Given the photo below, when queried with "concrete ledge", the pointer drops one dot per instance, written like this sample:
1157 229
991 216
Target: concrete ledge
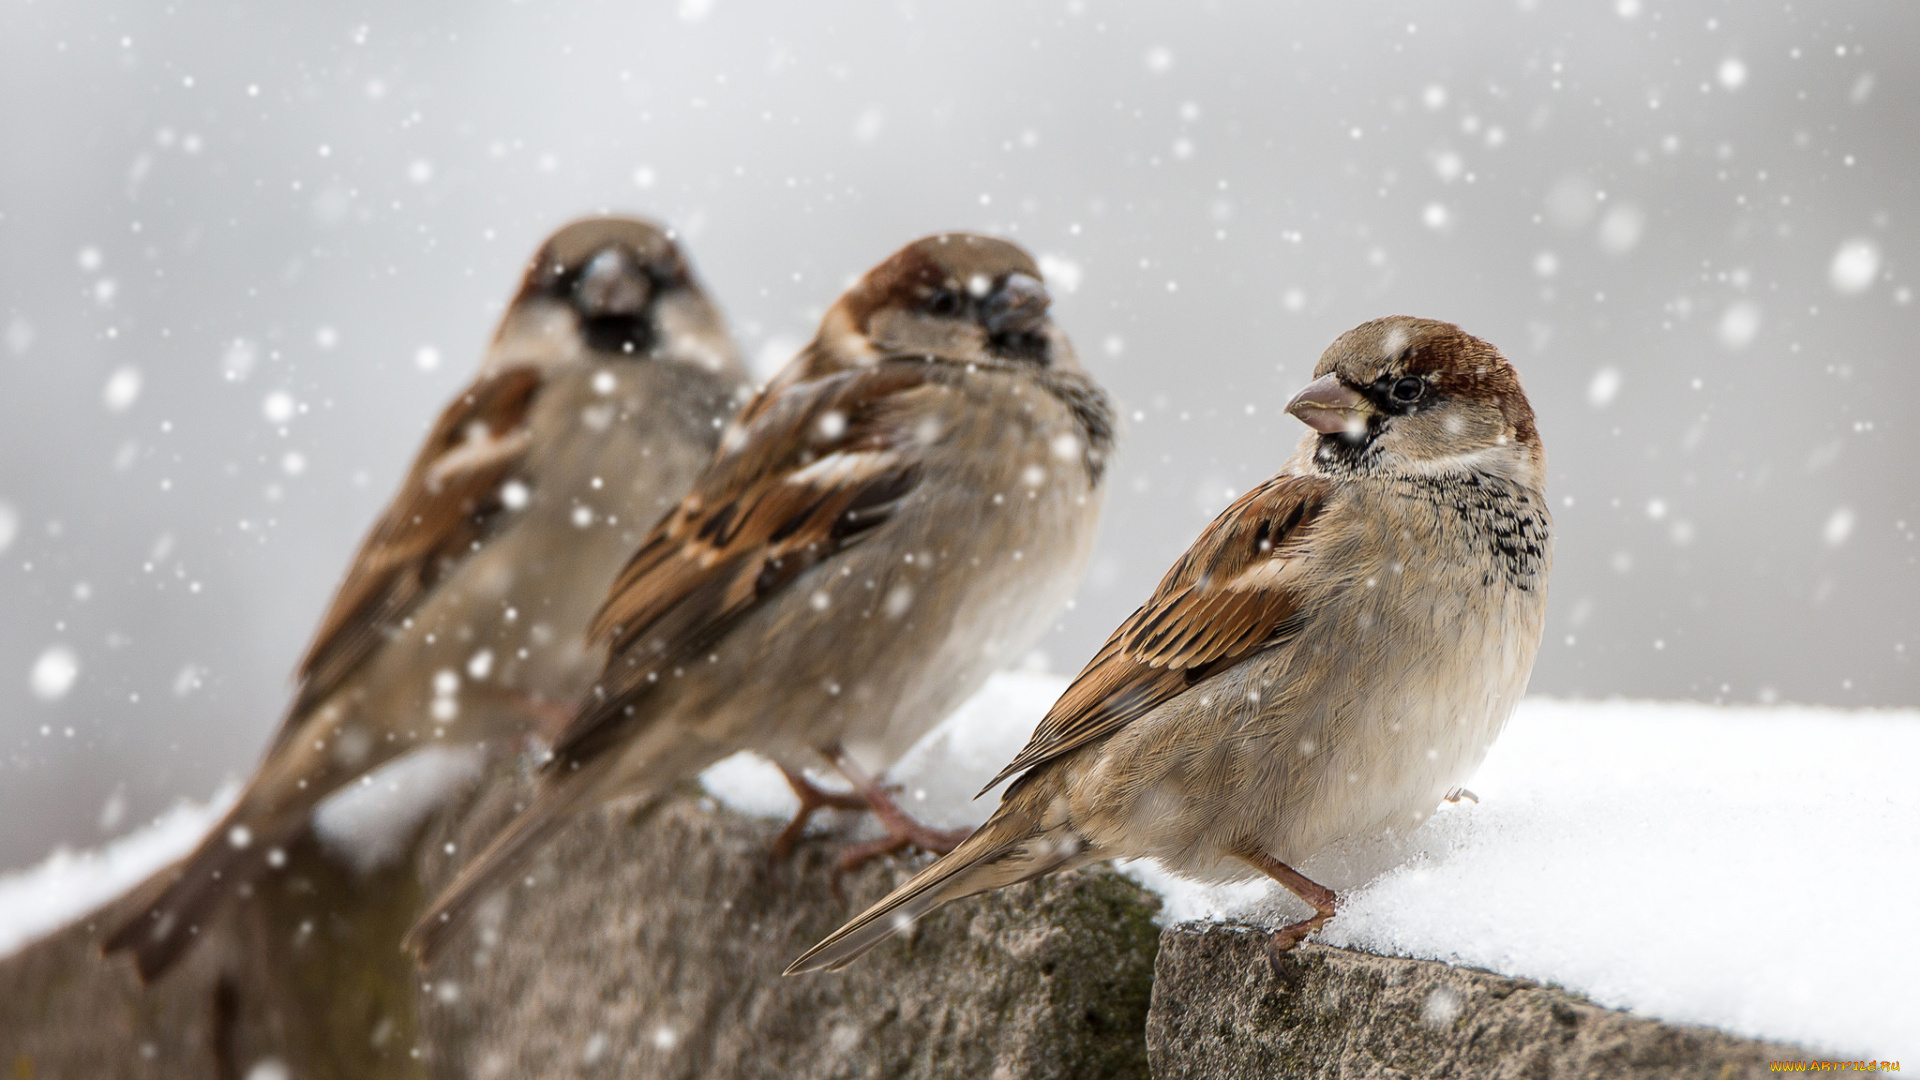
650 944
1223 1007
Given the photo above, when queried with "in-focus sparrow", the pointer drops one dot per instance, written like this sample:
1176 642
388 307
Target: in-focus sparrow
1331 658
901 511
463 616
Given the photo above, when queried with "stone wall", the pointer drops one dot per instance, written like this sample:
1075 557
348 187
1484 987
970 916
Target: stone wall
650 944
1224 1006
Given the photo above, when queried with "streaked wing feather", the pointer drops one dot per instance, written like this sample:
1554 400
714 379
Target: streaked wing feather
808 476
447 506
1227 598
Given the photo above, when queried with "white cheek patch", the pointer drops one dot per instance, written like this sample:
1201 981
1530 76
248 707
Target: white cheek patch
1502 460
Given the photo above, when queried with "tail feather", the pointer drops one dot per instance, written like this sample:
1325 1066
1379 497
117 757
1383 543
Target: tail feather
1010 848
187 895
273 810
646 766
489 870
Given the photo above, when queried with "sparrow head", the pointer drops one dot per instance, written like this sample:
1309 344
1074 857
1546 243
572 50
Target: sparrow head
1414 395
960 296
619 287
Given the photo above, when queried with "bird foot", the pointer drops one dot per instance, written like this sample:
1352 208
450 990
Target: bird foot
1459 793
1289 937
902 830
1322 899
812 798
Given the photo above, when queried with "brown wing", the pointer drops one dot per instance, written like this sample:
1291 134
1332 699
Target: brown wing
1228 597
448 505
811 473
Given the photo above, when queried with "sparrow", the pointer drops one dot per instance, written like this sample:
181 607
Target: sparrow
904 508
463 615
1332 657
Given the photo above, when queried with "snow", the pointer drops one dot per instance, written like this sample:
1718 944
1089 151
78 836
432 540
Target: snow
122 389
366 825
278 406
68 884
1739 325
1854 266
54 672
1744 868
1604 387
1752 870
369 824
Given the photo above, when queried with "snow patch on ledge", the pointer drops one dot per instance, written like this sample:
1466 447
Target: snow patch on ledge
68 884
1748 869
366 826
369 824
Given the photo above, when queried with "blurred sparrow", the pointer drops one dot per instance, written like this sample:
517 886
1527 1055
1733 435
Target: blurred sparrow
1331 658
463 616
900 512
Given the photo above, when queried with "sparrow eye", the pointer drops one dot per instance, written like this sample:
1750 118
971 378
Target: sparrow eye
944 303
1409 389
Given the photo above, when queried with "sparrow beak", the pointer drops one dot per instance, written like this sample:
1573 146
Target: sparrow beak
1018 306
1328 406
612 285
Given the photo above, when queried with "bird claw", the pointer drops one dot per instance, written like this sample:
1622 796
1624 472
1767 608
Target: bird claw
867 794
1288 938
813 798
1323 900
1459 793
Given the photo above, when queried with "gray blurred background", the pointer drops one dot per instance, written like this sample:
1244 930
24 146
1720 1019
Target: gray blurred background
247 251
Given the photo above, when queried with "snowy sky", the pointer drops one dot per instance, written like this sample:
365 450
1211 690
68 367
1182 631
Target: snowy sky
245 254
